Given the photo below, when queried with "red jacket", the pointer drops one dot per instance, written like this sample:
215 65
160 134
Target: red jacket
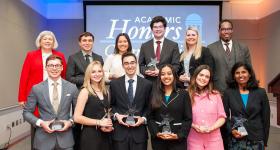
32 73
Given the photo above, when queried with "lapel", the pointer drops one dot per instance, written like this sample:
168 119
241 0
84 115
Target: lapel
250 99
151 50
64 90
234 50
240 102
172 98
164 50
82 60
46 95
138 89
123 89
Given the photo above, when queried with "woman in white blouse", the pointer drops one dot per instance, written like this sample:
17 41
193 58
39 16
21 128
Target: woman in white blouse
113 64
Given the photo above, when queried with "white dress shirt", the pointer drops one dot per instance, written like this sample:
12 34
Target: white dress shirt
134 83
155 44
229 45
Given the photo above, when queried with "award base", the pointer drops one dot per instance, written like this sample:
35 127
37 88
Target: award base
57 125
242 131
166 130
130 120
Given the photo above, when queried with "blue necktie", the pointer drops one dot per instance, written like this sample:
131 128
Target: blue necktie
130 90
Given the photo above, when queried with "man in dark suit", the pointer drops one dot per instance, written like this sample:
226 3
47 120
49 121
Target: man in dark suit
163 50
54 98
226 52
76 67
130 91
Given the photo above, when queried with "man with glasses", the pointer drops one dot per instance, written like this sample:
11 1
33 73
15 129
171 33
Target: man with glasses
130 97
54 97
160 49
226 52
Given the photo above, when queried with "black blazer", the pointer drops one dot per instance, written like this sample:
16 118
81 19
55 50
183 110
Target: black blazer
76 67
257 112
119 103
205 59
179 108
169 55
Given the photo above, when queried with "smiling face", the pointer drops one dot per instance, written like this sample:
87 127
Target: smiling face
96 73
86 43
129 65
191 38
122 44
47 42
158 30
241 76
203 78
54 68
166 76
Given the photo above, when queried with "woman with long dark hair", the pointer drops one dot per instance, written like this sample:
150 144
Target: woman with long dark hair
249 108
170 119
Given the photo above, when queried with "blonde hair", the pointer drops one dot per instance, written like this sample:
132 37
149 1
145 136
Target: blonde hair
87 79
198 48
44 33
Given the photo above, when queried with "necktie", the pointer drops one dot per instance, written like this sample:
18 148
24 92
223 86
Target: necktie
158 50
55 101
227 49
87 58
130 90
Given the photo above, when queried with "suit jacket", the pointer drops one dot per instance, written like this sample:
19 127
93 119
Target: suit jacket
39 96
120 102
76 67
239 53
179 108
169 55
205 59
32 72
257 112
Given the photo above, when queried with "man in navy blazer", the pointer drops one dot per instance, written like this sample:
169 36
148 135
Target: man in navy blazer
130 91
167 53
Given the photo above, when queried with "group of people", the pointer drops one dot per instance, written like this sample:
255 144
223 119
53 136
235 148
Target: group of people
204 98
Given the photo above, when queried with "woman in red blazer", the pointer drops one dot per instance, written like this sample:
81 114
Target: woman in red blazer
33 69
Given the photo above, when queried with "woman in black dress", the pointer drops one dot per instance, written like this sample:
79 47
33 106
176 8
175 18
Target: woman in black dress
91 108
171 109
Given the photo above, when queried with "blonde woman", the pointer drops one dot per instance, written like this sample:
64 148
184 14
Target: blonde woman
193 56
90 111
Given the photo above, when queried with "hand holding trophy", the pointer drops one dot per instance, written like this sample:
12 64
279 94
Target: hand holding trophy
107 118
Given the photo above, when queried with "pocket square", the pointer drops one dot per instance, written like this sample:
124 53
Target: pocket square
68 94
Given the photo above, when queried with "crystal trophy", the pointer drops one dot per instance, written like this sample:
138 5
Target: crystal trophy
56 125
152 64
130 120
108 114
239 124
165 123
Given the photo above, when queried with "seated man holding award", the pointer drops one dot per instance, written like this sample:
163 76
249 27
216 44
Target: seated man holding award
170 119
54 97
130 100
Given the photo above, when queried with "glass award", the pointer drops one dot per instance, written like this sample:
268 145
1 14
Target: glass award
130 120
165 123
238 123
56 125
153 64
108 114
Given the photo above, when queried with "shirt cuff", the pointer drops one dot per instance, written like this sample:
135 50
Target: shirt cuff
38 122
145 120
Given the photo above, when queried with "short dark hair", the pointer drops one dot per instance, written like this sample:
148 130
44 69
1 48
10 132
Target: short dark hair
53 57
225 20
157 19
129 49
85 34
127 54
252 83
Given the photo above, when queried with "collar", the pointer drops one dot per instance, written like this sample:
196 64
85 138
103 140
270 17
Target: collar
126 78
84 53
161 40
229 42
50 81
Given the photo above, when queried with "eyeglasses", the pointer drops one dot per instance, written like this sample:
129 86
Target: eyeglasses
158 27
54 66
226 29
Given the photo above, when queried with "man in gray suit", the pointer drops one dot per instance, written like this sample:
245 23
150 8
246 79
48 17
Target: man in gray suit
226 52
54 98
161 49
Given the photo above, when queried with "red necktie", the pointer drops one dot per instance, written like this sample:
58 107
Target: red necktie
158 50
